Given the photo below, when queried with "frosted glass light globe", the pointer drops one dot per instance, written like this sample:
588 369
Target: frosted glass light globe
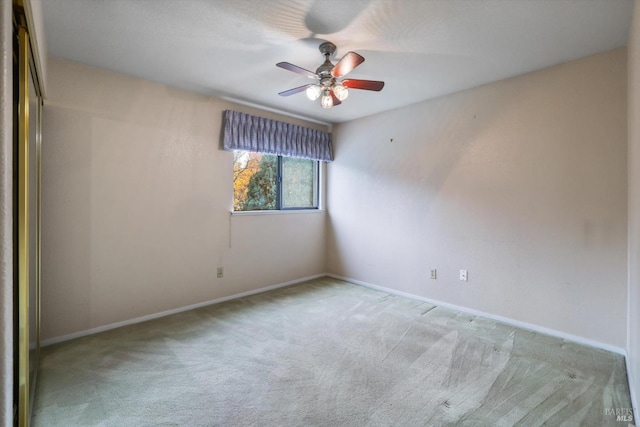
341 92
313 92
327 101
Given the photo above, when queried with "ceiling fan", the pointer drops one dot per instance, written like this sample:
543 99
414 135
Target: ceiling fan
332 90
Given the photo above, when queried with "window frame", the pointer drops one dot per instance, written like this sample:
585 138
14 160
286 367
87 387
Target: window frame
279 188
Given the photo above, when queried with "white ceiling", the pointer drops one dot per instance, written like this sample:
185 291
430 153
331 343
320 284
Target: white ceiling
420 48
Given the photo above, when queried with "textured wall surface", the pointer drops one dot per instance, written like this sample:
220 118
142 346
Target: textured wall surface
6 216
633 340
136 202
521 182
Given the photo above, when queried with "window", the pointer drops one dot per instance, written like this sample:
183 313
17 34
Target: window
276 164
270 182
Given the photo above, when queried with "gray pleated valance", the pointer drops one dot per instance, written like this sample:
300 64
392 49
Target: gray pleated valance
246 132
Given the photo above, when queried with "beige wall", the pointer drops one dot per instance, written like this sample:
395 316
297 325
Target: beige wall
136 202
633 337
521 182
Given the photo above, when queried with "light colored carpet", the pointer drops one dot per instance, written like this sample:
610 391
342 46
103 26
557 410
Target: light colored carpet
327 353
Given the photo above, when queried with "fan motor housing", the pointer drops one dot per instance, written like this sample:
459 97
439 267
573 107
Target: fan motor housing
324 70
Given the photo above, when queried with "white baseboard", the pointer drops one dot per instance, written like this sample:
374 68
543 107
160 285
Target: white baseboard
110 326
508 321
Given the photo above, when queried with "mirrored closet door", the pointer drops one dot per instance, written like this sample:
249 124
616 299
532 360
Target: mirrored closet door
27 153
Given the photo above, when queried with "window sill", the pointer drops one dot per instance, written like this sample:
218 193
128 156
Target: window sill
279 212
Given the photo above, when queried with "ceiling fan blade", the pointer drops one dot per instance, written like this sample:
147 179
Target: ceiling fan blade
348 62
336 101
363 84
296 69
294 90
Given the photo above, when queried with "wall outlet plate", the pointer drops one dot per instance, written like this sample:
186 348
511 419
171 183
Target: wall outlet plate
220 272
463 275
434 274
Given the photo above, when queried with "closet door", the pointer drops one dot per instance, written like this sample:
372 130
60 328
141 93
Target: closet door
28 213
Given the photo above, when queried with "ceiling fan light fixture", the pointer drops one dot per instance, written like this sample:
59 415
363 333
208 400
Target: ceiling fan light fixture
313 92
329 87
326 101
341 92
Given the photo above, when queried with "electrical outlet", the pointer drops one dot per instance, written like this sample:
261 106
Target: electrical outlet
463 275
434 274
220 272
